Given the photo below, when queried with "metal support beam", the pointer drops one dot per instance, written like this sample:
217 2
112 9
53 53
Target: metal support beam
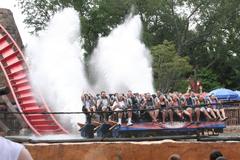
4 127
12 108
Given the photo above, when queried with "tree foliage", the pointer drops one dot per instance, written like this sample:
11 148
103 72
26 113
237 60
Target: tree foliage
208 79
206 31
170 69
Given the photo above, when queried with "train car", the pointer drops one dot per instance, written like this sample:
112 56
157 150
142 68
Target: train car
178 128
147 129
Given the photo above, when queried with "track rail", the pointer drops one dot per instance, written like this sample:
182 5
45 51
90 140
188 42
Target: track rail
15 69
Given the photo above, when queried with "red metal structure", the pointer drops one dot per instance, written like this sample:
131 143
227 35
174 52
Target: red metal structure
15 69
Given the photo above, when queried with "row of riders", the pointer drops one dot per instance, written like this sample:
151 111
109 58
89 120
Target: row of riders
134 106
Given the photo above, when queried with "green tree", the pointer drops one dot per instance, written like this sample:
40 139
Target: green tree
209 79
98 17
102 19
205 31
169 68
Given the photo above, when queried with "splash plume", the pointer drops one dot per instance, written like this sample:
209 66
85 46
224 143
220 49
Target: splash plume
121 61
56 67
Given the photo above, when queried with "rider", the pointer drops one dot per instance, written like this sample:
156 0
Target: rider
163 102
150 106
103 105
196 107
189 103
217 107
88 103
119 105
132 103
204 109
88 107
176 106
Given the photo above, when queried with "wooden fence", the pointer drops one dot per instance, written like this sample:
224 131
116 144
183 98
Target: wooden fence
234 116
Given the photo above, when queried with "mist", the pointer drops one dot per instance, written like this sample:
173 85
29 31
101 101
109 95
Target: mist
56 66
121 62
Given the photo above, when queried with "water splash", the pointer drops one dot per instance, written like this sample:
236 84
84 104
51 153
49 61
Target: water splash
121 61
175 125
56 67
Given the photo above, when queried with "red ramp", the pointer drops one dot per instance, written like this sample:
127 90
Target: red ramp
15 70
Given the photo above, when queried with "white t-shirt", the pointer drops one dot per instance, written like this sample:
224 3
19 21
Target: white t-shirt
9 150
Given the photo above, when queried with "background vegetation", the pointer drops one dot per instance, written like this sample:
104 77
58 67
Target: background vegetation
198 38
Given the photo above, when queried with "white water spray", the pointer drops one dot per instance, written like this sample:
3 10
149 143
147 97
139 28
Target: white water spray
121 61
56 67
